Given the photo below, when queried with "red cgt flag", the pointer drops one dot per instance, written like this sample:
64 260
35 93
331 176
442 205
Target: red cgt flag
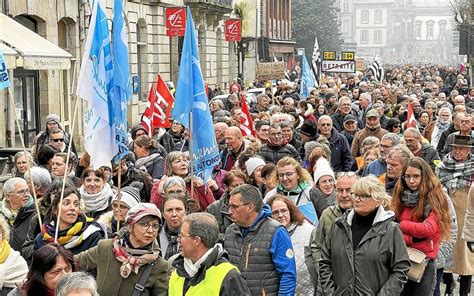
411 121
158 110
246 122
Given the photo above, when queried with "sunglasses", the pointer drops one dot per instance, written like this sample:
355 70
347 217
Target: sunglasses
58 140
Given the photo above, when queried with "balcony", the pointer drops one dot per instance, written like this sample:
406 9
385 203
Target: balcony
216 6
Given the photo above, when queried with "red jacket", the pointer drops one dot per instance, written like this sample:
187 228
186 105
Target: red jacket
424 236
201 193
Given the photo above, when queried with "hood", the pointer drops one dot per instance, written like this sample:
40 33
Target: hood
265 212
381 216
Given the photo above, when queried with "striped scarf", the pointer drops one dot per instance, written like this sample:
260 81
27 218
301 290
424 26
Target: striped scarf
456 175
73 236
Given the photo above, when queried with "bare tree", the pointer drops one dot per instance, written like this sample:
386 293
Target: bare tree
462 10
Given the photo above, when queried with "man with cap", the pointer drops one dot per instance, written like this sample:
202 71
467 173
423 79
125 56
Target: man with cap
455 174
130 261
344 108
350 128
372 128
341 159
43 137
202 267
465 129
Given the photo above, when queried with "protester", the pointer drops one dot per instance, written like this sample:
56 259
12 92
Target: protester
341 158
202 267
378 167
276 147
268 264
351 255
288 214
372 128
397 158
95 192
174 139
41 180
131 260
22 163
465 129
322 194
174 212
235 145
148 156
59 169
413 140
52 122
130 174
350 128
77 283
421 208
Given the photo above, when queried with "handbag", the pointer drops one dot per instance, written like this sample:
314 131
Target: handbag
418 263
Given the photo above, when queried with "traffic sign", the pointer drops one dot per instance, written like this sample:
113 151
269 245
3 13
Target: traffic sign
329 55
338 66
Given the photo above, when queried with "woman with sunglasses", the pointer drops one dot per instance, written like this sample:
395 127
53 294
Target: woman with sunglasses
364 252
421 208
288 214
394 126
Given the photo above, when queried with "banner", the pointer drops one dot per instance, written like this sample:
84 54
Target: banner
4 78
233 30
158 110
246 122
175 21
411 121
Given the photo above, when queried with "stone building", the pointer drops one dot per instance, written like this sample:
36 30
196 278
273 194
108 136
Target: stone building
60 26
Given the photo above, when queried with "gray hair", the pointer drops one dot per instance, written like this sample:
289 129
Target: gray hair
174 180
19 154
57 131
325 117
249 194
76 281
444 109
40 176
392 137
205 226
414 131
219 103
289 99
371 140
367 96
402 152
10 184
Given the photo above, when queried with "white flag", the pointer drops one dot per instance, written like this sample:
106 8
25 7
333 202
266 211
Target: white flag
94 85
377 70
316 61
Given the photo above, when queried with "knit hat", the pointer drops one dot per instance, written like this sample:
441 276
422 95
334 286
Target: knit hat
53 117
323 170
309 128
141 210
130 195
252 164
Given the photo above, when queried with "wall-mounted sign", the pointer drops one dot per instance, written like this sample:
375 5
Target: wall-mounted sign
175 21
329 55
233 30
348 56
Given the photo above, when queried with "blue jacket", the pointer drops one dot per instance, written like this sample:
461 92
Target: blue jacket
282 254
376 167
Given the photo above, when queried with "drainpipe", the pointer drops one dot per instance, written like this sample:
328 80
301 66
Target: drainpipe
6 7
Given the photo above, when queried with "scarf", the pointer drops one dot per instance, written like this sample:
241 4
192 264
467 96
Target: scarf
410 199
9 214
456 175
440 127
146 161
96 202
373 128
72 236
172 237
5 251
13 270
193 268
132 259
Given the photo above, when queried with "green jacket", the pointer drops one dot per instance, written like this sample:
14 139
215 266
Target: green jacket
109 281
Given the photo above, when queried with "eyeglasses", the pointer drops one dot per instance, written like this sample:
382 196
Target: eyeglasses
146 226
233 207
325 124
283 175
275 134
22 192
358 197
280 212
410 177
121 206
396 126
349 174
58 140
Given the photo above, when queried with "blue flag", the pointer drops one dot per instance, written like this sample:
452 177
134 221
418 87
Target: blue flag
94 85
191 97
4 78
121 89
307 77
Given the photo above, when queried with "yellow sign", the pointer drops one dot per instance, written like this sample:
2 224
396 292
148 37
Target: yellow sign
329 55
348 56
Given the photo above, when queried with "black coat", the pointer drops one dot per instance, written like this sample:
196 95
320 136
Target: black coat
341 157
19 230
442 139
338 121
273 154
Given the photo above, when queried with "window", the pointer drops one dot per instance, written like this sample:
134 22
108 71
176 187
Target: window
345 27
429 30
142 59
442 29
378 36
345 6
418 30
378 16
364 36
364 17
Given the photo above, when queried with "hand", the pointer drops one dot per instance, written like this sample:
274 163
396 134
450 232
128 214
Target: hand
212 184
197 182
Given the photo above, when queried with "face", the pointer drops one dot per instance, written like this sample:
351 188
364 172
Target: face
275 136
326 184
139 133
430 108
401 109
372 121
179 167
60 269
175 189
219 132
444 116
238 115
139 151
394 167
287 133
232 140
458 101
58 166
385 147
120 210
174 213
93 184
187 242
364 204
424 118
19 197
281 213
343 191
234 184
262 133
412 178
412 141
52 125
325 126
144 231
257 174
288 177
264 102
239 212
176 127
56 140
21 164
466 123
345 107
369 158
69 211
321 109
350 126
461 153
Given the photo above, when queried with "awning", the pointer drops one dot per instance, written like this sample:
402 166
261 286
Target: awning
34 51
9 55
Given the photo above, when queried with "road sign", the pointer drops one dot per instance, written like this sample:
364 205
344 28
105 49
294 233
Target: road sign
348 56
338 66
329 55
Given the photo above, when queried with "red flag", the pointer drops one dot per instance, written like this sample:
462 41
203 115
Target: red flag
411 121
158 110
246 122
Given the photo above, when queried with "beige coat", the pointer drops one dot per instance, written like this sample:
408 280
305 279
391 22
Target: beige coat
468 231
361 135
463 258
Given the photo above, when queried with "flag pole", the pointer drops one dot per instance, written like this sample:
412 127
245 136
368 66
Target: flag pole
24 152
119 185
65 171
191 153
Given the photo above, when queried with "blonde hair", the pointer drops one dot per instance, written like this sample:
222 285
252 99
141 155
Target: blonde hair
303 174
372 186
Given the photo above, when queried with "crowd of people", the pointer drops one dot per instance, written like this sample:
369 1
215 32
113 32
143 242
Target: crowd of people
329 195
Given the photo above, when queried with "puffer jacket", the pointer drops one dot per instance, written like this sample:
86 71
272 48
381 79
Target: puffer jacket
272 154
219 209
341 158
378 266
446 248
300 238
19 230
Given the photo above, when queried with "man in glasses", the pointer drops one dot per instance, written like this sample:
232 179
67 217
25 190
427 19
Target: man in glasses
277 147
258 245
212 273
378 167
341 159
56 140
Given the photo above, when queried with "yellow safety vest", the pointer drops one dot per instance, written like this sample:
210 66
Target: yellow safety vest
210 286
